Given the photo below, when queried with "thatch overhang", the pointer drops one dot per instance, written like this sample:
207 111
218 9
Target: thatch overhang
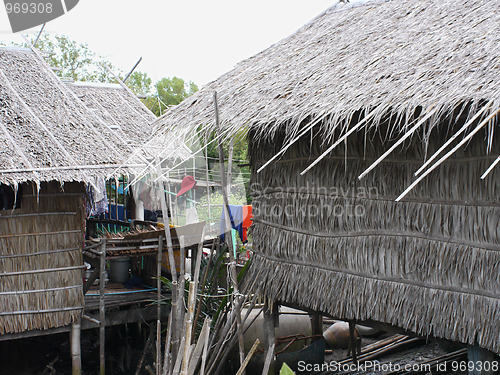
46 131
389 56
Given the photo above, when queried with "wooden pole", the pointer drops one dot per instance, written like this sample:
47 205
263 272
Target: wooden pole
208 188
76 352
102 308
230 167
173 310
232 263
205 349
248 357
168 338
180 290
352 342
158 311
270 338
189 324
317 325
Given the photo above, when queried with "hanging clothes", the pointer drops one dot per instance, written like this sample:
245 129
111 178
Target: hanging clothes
241 220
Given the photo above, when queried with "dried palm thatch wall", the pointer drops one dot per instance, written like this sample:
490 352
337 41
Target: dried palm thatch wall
343 246
41 266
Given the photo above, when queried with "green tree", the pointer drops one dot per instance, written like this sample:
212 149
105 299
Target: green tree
75 60
168 92
139 83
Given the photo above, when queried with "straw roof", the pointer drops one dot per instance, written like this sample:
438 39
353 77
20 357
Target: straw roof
46 132
392 56
117 106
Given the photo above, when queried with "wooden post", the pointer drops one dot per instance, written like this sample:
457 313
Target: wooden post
316 325
173 310
76 352
232 262
269 322
158 297
102 308
352 342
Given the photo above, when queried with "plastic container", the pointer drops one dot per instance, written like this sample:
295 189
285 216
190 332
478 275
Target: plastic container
118 269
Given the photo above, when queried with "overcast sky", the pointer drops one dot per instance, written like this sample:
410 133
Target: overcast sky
197 40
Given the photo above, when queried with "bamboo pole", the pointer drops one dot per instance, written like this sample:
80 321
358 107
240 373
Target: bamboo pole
230 167
248 357
490 168
189 324
232 263
102 308
204 279
205 349
448 142
283 150
158 301
168 340
270 338
180 290
208 188
432 110
339 141
170 250
447 155
76 352
200 346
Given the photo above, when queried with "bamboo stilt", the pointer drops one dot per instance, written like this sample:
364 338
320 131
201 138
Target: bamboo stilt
76 352
158 297
232 263
102 308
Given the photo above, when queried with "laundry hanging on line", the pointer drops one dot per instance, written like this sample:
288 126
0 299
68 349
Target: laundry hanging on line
241 219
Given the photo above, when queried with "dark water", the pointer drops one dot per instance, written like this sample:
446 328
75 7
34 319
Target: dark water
124 347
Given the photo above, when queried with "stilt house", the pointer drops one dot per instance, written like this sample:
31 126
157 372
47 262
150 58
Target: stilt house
365 95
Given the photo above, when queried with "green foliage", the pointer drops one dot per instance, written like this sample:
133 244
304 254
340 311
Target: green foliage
240 147
75 60
139 83
216 201
169 91
285 370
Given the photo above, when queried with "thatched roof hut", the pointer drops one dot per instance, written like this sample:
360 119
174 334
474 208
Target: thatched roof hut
47 133
403 76
50 144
